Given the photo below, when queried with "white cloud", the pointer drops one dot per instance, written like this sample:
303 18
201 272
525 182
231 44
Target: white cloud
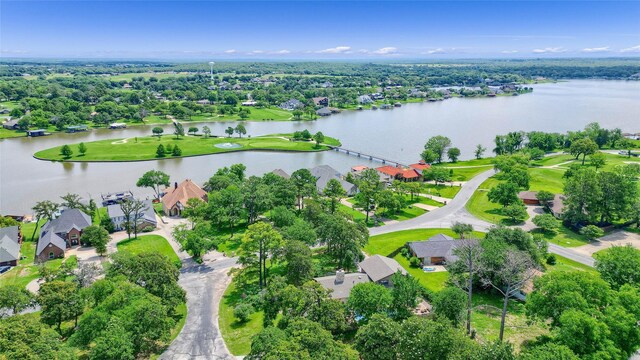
596 49
335 50
231 51
257 52
549 50
437 51
386 51
633 49
509 51
282 52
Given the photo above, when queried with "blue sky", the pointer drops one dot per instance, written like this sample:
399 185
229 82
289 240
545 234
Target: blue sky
319 30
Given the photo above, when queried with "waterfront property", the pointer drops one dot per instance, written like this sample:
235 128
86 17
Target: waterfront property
116 197
389 173
146 217
324 173
10 239
380 269
11 124
175 198
283 174
61 233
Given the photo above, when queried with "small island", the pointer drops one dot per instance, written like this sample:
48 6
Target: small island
171 146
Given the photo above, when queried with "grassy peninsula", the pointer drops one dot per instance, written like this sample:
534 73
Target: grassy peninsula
146 148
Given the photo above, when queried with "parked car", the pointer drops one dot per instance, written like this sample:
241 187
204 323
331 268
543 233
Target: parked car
4 269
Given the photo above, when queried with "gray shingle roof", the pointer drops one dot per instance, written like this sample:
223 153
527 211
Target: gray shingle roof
69 219
341 290
378 267
50 238
281 173
324 173
437 246
9 243
148 213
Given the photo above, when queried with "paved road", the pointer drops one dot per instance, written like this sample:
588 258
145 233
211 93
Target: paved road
205 283
445 216
455 211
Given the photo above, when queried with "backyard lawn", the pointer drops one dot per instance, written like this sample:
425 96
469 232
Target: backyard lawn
546 179
564 237
149 243
446 191
480 206
237 336
144 148
27 270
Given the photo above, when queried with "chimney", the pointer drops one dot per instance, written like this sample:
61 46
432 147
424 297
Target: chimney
339 276
175 185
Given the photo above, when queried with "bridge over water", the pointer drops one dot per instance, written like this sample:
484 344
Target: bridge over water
371 157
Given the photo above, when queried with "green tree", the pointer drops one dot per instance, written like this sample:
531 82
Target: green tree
584 147
60 301
598 160
319 138
193 130
546 222
299 262
178 129
25 337
548 351
584 334
592 232
582 194
405 295
114 343
206 131
515 212
479 151
505 194
301 230
305 184
95 235
240 130
160 151
176 151
469 253
368 299
72 201
453 154
157 131
15 298
545 198
82 149
229 131
66 151
344 239
377 340
297 114
437 145
461 229
153 179
242 312
261 244
450 303
439 175
43 210
335 192
369 186
619 265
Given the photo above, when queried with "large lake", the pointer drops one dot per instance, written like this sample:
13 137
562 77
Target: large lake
397 134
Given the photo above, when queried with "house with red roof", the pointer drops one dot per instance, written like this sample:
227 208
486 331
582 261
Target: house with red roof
389 173
420 166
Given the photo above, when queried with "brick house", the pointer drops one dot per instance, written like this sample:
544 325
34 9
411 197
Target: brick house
175 198
10 239
61 233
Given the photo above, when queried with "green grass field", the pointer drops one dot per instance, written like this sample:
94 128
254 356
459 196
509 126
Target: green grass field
27 270
466 174
387 244
149 243
480 206
237 336
144 148
546 179
441 190
564 237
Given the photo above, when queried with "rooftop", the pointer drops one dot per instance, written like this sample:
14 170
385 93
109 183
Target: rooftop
341 284
378 267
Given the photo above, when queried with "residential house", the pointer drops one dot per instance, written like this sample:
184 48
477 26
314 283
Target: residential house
529 197
557 206
117 125
389 173
321 101
126 86
282 173
341 283
10 239
364 99
377 268
410 175
324 173
37 132
435 251
146 218
175 198
11 124
249 103
323 111
420 167
67 227
292 104
203 102
380 269
358 169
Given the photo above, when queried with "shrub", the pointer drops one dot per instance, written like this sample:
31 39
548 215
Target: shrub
551 259
591 232
405 252
242 312
414 262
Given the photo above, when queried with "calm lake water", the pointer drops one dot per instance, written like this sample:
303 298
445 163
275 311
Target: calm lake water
397 134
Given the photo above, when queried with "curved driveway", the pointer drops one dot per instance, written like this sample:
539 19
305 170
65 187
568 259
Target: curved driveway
455 211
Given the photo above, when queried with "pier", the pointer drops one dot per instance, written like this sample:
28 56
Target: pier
360 154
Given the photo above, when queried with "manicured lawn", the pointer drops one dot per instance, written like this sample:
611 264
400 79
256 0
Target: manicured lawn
480 206
474 162
553 160
433 281
255 114
6 133
466 174
546 179
357 215
426 201
149 243
564 264
441 190
564 237
26 271
237 336
405 214
144 148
